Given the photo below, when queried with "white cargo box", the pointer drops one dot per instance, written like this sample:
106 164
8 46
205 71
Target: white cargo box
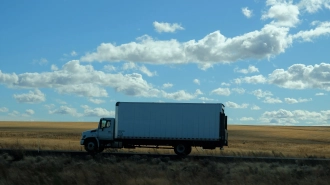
187 121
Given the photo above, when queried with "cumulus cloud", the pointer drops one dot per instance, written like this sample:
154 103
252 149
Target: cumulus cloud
54 67
225 84
213 48
297 76
96 101
35 96
109 68
312 6
221 91
196 81
271 100
261 94
4 109
236 106
238 90
250 69
300 76
29 111
97 112
255 107
284 13
251 79
292 100
181 95
323 28
246 119
246 12
167 85
142 68
167 27
65 110
283 116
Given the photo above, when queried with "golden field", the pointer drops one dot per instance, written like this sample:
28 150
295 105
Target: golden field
280 141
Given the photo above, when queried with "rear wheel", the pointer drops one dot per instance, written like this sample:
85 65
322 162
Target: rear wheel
182 149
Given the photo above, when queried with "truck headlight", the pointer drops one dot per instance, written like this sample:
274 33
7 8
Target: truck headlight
84 136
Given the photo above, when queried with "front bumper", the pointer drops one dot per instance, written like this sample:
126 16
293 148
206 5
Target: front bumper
82 142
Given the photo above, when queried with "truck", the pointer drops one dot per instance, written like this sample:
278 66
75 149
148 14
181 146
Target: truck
178 126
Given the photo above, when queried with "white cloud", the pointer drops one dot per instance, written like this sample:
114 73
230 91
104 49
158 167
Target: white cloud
323 28
272 100
4 109
246 119
167 27
129 65
238 90
96 101
109 68
284 14
65 110
196 81
97 112
255 107
146 71
251 79
313 6
320 94
8 78
292 100
206 99
283 116
300 76
35 96
73 53
261 94
250 69
86 90
181 95
236 106
167 85
143 69
225 84
246 12
221 91
29 111
41 61
14 113
213 48
54 67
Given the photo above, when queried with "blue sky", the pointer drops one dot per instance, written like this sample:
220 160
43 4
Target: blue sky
267 61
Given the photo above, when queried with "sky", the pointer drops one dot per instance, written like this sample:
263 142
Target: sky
68 60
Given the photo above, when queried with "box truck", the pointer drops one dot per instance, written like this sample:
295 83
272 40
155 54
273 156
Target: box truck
179 126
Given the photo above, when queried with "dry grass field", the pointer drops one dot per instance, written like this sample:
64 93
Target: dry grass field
141 170
280 141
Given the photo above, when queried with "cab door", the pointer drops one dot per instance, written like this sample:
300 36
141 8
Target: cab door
105 131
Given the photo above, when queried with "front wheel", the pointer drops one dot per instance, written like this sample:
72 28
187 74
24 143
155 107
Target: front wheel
91 146
182 149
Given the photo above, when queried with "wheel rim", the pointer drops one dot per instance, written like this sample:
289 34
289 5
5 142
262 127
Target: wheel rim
181 149
91 146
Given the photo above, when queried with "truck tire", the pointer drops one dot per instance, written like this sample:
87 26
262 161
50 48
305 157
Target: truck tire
91 146
182 149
